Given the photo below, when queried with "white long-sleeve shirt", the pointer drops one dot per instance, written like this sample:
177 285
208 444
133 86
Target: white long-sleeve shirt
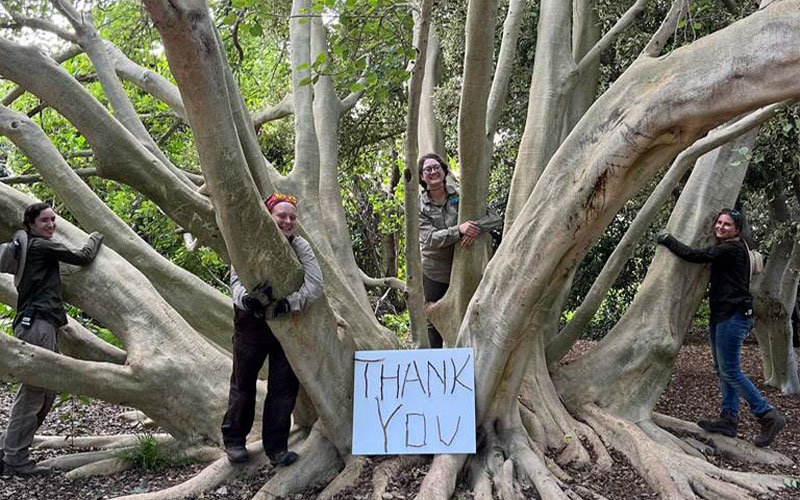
309 291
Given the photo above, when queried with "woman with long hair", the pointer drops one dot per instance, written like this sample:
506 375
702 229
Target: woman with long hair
729 323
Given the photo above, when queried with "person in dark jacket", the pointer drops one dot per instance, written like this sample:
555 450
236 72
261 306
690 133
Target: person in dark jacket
253 342
730 320
40 312
439 231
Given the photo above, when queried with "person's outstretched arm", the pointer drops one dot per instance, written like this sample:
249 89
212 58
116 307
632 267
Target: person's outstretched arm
687 253
81 257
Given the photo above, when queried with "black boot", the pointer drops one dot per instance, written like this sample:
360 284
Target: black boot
237 453
771 424
726 424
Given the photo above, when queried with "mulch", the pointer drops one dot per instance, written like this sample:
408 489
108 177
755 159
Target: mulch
691 394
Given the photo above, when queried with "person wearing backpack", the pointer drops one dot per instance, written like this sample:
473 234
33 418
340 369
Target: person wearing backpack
729 323
40 312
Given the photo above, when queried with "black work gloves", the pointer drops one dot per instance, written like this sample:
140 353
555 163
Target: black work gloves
277 308
253 304
282 307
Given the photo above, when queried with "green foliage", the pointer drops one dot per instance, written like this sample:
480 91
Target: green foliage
70 422
150 455
7 315
399 324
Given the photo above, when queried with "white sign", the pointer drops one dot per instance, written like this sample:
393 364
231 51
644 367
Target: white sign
414 402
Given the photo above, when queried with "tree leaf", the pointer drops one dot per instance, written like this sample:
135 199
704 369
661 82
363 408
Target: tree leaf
255 29
357 87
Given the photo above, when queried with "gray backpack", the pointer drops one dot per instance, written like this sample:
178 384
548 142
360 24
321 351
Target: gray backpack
13 255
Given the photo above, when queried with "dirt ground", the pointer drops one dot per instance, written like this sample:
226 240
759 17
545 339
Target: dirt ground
692 394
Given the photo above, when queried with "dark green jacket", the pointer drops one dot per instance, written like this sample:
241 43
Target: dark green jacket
40 286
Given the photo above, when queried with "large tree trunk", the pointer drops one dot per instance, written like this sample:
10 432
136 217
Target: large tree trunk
655 109
774 296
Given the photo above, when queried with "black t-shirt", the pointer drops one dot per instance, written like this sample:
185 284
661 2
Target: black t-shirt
730 275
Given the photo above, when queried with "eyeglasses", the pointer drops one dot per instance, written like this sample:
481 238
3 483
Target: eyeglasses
431 169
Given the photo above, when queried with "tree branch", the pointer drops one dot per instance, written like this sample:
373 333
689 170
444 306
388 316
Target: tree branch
40 367
386 282
147 80
351 100
622 23
42 25
73 339
280 110
83 173
59 58
171 281
119 155
667 28
505 61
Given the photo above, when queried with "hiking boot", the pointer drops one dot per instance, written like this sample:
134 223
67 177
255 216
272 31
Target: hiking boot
771 424
27 469
237 453
726 424
283 458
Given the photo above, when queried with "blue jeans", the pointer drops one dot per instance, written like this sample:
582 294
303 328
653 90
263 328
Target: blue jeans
726 340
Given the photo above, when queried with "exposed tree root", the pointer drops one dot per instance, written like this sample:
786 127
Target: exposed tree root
391 468
215 474
76 460
319 462
440 481
659 435
111 441
139 418
736 448
346 478
105 467
674 474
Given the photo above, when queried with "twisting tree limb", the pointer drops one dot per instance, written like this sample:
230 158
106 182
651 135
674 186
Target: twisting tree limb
119 155
660 38
624 249
387 282
213 320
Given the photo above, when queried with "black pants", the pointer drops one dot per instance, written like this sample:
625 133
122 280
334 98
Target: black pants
433 291
253 342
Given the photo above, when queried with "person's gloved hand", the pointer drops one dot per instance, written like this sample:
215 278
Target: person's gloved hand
662 237
282 307
263 293
254 305
278 308
97 235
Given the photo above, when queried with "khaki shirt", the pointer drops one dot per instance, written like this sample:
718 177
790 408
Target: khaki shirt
438 233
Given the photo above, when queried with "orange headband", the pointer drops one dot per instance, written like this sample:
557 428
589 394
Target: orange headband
276 198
